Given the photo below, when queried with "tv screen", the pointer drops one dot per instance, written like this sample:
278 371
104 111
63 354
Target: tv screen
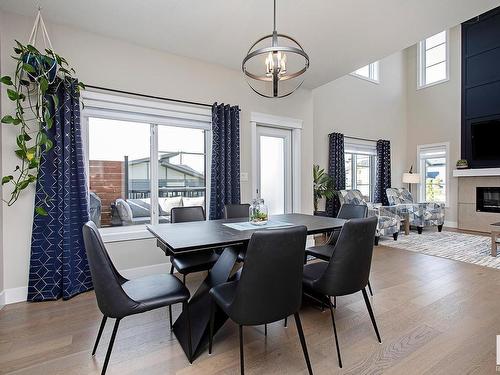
486 140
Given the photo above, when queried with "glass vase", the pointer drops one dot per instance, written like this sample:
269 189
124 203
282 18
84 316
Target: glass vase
258 212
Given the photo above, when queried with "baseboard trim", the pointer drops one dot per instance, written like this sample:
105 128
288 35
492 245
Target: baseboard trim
451 224
15 295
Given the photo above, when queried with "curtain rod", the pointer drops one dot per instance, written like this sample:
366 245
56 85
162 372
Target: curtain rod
149 96
361 139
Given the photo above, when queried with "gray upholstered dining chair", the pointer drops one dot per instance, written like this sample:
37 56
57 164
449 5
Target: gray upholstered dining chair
118 297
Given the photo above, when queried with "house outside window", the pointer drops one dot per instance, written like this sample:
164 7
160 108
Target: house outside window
368 72
360 161
123 135
433 61
433 168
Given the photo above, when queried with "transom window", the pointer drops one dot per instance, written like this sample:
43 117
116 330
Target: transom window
369 72
433 60
433 166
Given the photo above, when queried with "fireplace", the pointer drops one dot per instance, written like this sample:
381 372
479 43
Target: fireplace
488 199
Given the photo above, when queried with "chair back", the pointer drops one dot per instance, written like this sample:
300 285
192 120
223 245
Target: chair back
186 214
349 267
235 211
270 287
397 196
111 299
352 196
352 211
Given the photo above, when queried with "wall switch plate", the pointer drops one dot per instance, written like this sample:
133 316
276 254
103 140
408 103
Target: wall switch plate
243 176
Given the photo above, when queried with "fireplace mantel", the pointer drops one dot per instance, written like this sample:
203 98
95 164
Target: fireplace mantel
479 172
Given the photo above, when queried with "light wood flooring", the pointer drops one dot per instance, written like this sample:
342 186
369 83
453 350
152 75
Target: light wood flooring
435 316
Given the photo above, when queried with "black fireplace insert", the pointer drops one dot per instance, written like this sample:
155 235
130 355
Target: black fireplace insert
488 199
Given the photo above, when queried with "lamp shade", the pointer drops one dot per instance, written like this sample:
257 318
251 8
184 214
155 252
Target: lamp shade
411 178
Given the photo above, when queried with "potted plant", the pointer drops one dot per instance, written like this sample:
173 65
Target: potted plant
32 89
462 164
322 188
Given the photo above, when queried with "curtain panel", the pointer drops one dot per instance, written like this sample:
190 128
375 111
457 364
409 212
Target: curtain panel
336 170
383 171
225 180
58 264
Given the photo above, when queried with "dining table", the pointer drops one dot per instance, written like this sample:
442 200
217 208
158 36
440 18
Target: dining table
228 236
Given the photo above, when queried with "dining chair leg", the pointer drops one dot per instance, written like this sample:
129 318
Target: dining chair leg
303 341
170 316
185 308
336 338
370 311
370 288
171 269
265 329
242 361
212 321
110 346
184 279
101 328
286 322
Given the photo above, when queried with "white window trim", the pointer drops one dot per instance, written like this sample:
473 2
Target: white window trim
152 112
295 125
421 194
421 66
371 68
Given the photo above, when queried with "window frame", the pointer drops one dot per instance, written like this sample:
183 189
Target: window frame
437 147
372 167
421 58
373 71
154 113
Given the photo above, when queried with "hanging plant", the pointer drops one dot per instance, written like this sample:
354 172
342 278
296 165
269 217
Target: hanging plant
33 89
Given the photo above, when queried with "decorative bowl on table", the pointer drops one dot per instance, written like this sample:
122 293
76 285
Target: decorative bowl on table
258 212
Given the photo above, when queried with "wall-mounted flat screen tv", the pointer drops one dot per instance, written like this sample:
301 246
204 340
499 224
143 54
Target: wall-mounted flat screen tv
486 140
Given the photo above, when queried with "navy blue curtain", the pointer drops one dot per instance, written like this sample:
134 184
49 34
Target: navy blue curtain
225 186
336 170
383 171
58 266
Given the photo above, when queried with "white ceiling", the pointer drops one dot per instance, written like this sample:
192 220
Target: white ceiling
339 35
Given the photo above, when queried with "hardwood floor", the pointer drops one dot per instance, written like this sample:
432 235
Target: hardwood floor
435 316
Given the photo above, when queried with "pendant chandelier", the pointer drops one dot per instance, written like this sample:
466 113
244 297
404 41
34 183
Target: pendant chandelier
275 64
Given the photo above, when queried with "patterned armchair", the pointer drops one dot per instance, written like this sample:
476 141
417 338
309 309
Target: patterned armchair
421 214
388 219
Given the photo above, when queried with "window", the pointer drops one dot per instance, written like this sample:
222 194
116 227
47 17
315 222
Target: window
126 189
360 168
433 60
369 72
433 167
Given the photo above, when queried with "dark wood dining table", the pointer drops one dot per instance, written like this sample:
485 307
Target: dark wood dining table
182 238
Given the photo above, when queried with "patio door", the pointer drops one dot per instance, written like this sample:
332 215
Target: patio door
274 168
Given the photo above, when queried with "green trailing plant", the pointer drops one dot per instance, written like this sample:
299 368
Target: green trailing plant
322 185
33 90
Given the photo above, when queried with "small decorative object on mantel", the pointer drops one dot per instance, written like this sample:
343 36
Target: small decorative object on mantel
322 188
258 212
462 164
33 90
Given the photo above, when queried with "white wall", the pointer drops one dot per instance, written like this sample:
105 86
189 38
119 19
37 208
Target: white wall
359 108
2 300
434 114
115 64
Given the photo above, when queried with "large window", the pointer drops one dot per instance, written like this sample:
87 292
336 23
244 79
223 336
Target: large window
360 168
126 188
369 72
433 60
433 165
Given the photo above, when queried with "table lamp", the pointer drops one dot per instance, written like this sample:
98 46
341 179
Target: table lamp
411 178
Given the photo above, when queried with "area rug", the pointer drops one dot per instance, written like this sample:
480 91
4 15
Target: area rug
463 247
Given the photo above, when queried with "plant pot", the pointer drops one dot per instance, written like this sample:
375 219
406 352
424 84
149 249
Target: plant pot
43 65
320 213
